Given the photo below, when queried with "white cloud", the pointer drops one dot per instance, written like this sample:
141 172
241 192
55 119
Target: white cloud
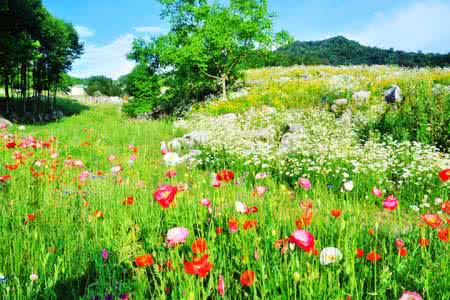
148 29
423 25
109 60
84 32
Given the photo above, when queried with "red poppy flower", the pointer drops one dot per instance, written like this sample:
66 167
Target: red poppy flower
11 144
12 167
198 266
5 178
225 175
250 224
233 225
424 242
144 260
199 246
165 194
444 175
445 206
251 210
359 253
444 234
31 217
373 256
247 278
219 230
336 213
402 251
128 201
432 220
171 173
371 231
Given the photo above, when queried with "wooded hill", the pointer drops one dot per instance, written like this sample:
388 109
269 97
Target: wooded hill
342 51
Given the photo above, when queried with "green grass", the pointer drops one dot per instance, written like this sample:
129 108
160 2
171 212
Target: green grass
63 244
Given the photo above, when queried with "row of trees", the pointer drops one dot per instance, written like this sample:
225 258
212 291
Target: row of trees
204 52
36 49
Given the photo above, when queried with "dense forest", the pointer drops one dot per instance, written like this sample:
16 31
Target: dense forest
36 50
342 51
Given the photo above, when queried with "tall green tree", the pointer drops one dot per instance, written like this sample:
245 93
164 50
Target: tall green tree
208 44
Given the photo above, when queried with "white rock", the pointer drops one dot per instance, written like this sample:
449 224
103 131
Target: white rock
341 102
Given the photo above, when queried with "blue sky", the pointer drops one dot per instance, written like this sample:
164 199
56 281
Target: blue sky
108 27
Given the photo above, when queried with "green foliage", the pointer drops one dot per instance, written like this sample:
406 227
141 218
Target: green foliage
36 49
423 115
144 88
102 85
341 51
207 46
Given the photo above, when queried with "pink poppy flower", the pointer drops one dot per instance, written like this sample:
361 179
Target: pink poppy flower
303 239
221 286
112 158
165 195
304 183
214 181
133 157
377 192
176 236
399 243
410 296
390 203
260 191
205 202
84 176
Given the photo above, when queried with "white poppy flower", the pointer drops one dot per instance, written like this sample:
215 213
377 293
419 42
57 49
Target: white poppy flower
330 255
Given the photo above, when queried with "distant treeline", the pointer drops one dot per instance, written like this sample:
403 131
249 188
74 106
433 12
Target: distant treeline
36 50
100 85
342 51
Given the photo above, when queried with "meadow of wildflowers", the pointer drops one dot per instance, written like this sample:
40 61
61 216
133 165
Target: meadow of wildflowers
276 203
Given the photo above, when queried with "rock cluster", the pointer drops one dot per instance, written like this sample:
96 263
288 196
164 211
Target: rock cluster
30 117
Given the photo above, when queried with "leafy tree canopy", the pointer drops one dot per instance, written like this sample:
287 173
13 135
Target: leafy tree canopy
208 45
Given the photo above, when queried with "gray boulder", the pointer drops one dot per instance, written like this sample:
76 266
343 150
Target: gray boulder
196 137
283 79
189 140
5 121
296 128
393 94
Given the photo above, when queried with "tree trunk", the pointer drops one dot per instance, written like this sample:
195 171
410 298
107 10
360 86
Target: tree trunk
224 87
7 87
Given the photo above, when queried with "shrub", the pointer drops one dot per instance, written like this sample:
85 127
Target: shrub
423 115
144 88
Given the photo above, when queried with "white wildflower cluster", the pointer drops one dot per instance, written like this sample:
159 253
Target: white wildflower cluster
325 145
